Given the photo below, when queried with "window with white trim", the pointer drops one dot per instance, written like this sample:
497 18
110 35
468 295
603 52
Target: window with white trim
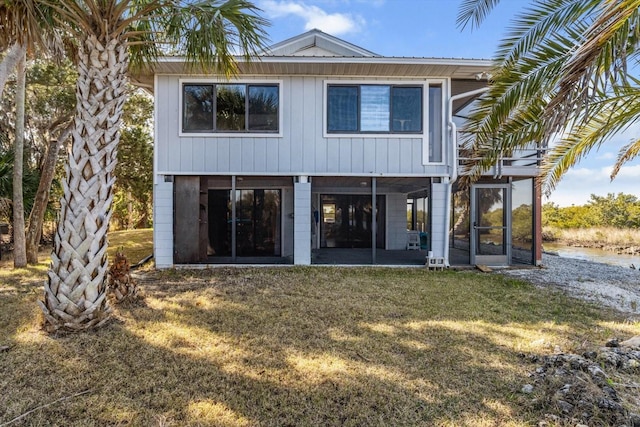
230 107
372 108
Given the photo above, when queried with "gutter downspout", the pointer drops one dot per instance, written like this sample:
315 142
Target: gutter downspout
454 156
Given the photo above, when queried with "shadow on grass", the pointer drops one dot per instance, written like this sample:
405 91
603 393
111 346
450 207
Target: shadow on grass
234 347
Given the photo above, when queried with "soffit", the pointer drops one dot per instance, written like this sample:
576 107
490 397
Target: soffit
398 68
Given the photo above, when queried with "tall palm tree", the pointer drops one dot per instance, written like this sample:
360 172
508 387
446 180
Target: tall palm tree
562 74
21 31
113 35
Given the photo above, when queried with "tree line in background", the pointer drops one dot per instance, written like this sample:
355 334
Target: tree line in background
49 104
613 210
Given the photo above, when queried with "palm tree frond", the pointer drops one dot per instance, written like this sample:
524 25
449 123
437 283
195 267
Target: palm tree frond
211 35
599 62
628 152
560 71
534 26
474 12
613 115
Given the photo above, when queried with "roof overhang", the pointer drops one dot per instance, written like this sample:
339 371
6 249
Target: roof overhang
398 67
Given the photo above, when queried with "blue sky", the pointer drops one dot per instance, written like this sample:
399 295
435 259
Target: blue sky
427 28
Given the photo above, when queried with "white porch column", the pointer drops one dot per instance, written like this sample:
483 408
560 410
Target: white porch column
440 209
163 222
302 221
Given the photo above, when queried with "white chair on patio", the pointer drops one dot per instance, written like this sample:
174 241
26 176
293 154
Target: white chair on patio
413 240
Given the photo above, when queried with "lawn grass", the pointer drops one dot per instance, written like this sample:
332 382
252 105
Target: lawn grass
315 346
136 244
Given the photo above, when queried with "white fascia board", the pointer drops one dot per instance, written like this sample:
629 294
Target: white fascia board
355 60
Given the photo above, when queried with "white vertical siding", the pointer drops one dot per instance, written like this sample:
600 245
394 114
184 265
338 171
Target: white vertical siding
439 212
302 223
382 159
272 155
416 152
344 154
311 113
357 155
163 223
301 148
393 155
167 111
396 221
295 124
368 155
333 156
222 148
260 157
247 155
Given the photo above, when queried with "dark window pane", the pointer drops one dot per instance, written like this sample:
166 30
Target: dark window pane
230 107
342 114
374 108
263 108
197 110
407 109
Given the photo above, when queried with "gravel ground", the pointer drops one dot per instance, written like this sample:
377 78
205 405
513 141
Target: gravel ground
609 285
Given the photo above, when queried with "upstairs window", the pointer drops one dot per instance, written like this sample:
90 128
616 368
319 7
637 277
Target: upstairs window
212 108
374 109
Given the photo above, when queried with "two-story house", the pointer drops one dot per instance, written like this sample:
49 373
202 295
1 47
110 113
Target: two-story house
320 151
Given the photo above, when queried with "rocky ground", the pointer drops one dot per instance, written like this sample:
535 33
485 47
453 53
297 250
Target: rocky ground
597 388
612 286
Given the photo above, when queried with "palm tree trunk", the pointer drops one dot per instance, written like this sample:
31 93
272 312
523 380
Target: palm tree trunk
75 293
36 217
19 247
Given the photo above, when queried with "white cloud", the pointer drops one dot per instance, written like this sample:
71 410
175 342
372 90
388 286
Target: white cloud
578 184
314 17
587 175
606 156
632 172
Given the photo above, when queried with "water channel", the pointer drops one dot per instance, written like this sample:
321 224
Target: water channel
596 255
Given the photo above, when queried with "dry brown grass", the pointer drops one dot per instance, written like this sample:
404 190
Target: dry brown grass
600 236
295 346
137 244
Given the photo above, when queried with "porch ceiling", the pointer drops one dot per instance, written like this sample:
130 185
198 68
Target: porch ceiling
363 184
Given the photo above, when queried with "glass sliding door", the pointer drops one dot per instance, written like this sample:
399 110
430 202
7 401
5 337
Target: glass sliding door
258 223
347 221
257 219
219 220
